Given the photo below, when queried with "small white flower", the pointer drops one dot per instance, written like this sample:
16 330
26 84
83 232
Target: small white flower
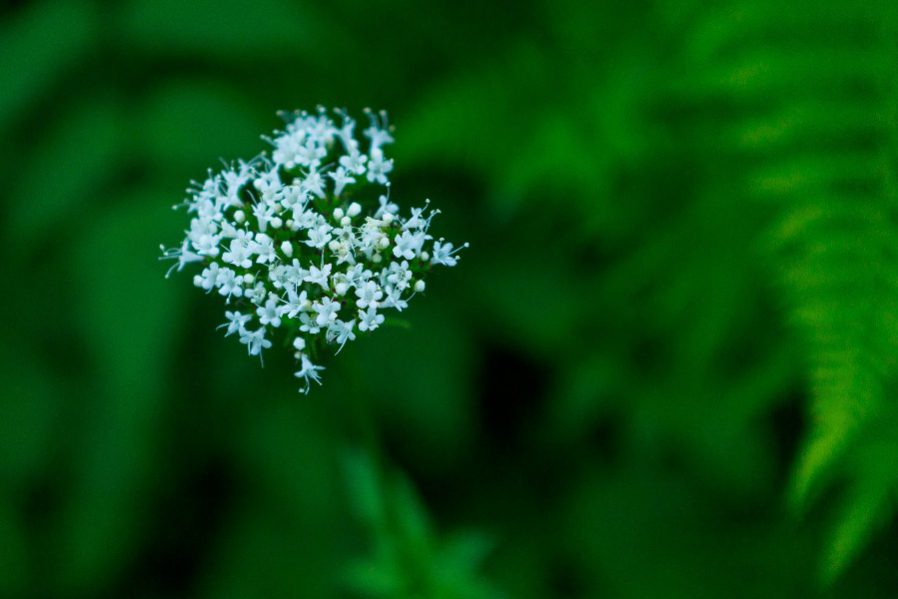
369 294
308 324
208 279
357 274
234 180
293 196
443 254
238 254
326 311
319 236
319 276
406 245
394 300
279 276
229 283
308 372
257 293
270 314
310 154
341 180
207 245
183 255
255 341
378 131
263 213
294 272
263 247
369 319
236 322
379 167
314 184
385 207
353 163
296 303
340 332
397 275
417 220
268 183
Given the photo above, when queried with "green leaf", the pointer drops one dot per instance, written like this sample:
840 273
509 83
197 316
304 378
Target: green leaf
223 29
408 558
188 126
27 432
15 565
365 493
39 45
133 315
466 551
374 579
64 173
869 501
862 509
418 368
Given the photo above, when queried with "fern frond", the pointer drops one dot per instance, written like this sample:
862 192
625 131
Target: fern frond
806 95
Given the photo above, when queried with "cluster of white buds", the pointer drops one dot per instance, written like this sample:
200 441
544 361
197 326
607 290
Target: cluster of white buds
307 240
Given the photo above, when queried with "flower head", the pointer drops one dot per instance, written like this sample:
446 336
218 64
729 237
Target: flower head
307 241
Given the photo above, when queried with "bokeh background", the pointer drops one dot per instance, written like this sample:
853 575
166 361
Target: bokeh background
665 367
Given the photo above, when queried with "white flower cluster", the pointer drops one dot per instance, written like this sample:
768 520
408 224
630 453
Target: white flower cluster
308 241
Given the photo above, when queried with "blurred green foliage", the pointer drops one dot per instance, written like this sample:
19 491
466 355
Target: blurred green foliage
665 368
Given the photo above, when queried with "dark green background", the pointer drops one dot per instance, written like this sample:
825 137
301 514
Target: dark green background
664 368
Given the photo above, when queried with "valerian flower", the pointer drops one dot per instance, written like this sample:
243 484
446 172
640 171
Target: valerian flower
307 242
